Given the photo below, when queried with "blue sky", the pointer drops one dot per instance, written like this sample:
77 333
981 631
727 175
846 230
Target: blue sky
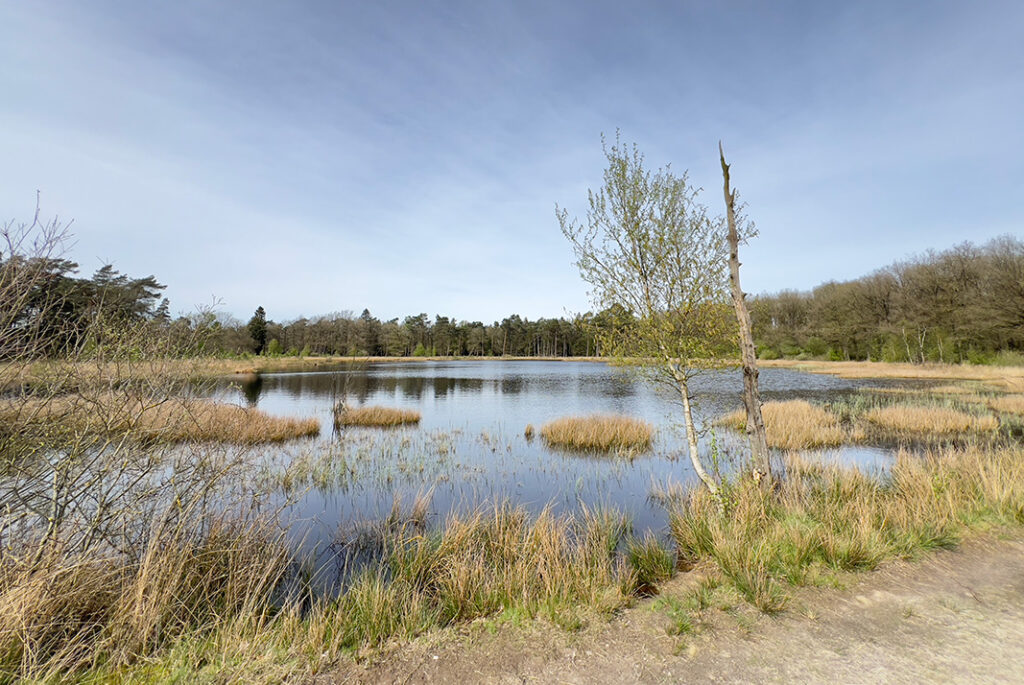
314 157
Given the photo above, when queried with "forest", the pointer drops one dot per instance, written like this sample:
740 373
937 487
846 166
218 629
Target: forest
963 304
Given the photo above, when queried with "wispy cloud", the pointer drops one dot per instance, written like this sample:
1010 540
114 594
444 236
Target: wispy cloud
406 156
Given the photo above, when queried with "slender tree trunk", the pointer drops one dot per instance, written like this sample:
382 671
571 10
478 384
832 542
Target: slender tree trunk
691 436
751 395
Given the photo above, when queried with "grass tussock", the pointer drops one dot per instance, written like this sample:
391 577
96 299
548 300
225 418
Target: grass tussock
1009 404
825 519
164 420
795 424
598 432
375 416
932 420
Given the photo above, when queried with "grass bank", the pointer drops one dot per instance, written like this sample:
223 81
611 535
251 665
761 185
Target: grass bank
211 605
825 518
123 416
1006 378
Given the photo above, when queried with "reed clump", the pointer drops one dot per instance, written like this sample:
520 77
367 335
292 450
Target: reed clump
930 420
385 417
795 424
151 420
598 433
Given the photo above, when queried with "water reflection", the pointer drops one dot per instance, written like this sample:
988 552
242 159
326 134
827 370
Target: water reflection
469 448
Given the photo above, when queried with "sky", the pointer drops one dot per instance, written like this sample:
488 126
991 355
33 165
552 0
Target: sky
317 156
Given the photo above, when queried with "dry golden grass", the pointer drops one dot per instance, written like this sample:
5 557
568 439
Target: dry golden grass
60 615
934 420
152 420
792 425
1010 404
1001 377
598 432
375 416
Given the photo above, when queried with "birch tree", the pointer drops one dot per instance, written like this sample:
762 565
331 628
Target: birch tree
649 247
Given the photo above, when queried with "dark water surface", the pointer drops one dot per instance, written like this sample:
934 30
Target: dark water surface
469 450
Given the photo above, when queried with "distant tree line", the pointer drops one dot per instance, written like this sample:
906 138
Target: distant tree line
962 304
344 334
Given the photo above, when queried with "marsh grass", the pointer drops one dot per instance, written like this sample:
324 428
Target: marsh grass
598 433
652 563
159 420
493 562
825 519
1009 404
933 420
1008 378
795 424
69 614
384 417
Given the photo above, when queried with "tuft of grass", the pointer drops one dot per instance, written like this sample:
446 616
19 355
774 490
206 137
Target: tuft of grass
598 432
528 431
151 420
375 416
796 424
1009 404
651 562
934 420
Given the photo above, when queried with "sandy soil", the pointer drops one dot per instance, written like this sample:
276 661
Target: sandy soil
955 616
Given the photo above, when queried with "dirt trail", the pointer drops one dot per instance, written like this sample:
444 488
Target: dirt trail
956 616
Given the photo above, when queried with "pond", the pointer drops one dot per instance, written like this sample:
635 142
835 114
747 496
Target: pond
469 450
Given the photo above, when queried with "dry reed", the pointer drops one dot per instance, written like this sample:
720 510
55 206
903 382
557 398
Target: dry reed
933 420
152 420
598 432
1003 377
795 424
375 416
1009 404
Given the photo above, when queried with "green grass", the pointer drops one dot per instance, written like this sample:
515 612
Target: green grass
825 519
210 601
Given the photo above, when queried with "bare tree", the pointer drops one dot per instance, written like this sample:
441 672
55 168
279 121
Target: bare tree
748 354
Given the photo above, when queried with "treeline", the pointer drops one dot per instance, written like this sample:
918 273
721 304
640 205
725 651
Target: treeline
961 304
49 310
343 334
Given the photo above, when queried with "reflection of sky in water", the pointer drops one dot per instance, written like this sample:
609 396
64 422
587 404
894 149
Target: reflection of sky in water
478 410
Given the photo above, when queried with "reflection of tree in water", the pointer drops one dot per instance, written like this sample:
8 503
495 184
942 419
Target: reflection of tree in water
357 388
251 388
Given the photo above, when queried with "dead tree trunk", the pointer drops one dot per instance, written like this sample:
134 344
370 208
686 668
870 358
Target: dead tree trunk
748 355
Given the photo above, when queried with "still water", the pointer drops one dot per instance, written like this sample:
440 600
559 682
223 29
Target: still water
469 449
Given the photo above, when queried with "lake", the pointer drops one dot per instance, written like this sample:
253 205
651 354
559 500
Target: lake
469 449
